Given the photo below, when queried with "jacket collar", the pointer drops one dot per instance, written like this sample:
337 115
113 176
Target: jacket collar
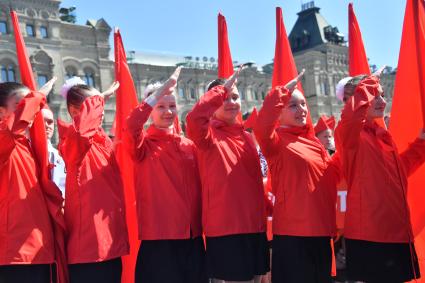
236 128
380 133
159 134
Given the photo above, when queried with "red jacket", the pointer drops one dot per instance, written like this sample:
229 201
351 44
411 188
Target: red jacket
168 187
304 177
26 235
94 200
232 187
376 173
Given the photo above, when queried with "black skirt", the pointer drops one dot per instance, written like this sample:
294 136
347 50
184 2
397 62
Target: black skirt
381 262
105 271
301 259
238 257
177 261
24 273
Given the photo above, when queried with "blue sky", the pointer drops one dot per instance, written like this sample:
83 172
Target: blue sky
189 27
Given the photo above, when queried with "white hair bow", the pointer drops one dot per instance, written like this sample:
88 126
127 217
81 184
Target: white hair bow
340 88
69 83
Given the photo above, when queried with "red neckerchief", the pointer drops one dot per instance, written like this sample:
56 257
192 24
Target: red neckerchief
158 134
383 136
305 132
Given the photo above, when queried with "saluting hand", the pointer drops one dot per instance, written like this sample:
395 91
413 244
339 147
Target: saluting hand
111 90
230 84
47 87
168 87
379 72
292 84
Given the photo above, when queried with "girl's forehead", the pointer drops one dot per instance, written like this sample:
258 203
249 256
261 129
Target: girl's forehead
167 99
297 96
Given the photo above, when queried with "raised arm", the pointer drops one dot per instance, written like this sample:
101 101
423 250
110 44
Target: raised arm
199 117
17 124
89 121
274 102
25 112
140 115
354 113
77 138
135 123
265 127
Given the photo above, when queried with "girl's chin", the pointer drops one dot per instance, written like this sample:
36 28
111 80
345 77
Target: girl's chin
165 124
301 122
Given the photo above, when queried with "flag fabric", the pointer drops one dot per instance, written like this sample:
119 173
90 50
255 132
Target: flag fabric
408 111
284 68
225 63
250 121
53 196
126 101
358 63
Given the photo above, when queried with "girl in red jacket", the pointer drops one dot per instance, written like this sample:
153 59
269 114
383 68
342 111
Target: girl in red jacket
304 180
168 192
26 237
379 238
233 203
94 206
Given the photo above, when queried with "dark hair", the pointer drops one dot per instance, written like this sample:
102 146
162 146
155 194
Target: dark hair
7 90
351 85
77 94
215 83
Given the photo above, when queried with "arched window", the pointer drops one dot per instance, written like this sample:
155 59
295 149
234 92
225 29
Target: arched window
192 93
3 27
41 79
181 93
44 32
89 78
30 30
7 74
70 72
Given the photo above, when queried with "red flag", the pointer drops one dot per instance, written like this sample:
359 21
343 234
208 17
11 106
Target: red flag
51 192
126 101
250 121
358 63
225 64
408 111
284 68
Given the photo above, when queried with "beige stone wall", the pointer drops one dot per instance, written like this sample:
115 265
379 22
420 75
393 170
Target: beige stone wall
80 49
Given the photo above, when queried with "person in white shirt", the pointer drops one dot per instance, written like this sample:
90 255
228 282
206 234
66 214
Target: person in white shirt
58 170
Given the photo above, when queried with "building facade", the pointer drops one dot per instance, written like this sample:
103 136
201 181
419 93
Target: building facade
65 49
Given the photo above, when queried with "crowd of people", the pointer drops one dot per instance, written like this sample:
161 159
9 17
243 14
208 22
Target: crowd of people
201 202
